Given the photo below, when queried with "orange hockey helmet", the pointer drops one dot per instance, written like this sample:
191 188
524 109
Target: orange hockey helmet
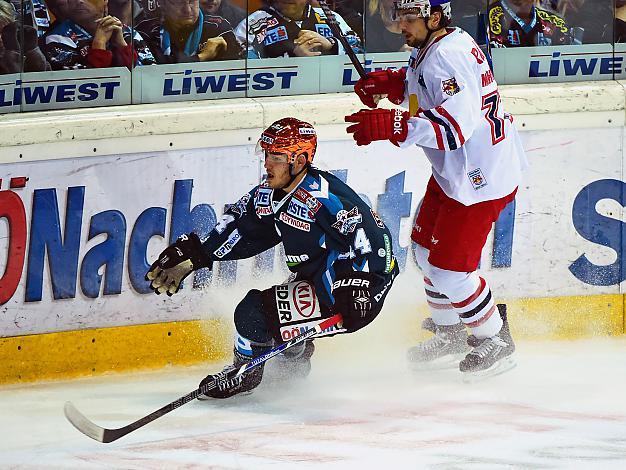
291 137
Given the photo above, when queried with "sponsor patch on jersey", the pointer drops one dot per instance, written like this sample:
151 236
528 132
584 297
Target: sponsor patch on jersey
514 38
347 220
300 210
262 196
388 259
477 178
377 219
275 35
311 202
239 208
290 332
323 30
294 260
296 301
295 223
450 87
263 211
412 63
228 245
306 131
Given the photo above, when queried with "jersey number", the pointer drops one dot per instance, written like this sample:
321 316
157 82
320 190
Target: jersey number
491 103
362 243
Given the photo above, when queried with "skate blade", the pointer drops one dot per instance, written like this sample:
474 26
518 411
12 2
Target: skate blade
447 362
500 367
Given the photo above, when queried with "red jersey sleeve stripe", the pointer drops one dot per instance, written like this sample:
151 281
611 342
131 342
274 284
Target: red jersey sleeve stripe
441 110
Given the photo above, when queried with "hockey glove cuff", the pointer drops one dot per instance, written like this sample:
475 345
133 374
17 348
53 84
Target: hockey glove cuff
175 263
388 82
378 124
353 298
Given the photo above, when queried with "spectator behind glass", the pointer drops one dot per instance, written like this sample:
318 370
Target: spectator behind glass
18 45
128 11
292 28
595 17
519 23
620 20
350 10
225 9
185 34
382 33
86 36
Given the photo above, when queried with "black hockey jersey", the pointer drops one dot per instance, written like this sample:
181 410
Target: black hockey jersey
545 28
325 228
268 33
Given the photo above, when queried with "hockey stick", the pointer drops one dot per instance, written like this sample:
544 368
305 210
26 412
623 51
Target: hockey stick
100 434
334 27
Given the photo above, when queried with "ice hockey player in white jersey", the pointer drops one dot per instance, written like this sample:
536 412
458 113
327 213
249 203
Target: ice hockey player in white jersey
455 115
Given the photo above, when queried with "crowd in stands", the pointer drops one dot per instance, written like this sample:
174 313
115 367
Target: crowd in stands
41 35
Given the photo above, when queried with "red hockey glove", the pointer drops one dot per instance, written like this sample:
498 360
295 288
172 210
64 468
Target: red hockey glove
378 124
388 82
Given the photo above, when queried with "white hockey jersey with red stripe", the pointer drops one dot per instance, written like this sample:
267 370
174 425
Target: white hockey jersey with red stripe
459 121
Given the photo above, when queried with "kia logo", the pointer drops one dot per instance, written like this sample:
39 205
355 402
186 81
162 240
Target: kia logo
304 299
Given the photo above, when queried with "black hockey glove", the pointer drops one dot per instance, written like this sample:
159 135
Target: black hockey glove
175 263
353 298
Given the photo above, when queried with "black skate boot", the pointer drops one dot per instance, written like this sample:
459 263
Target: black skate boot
429 325
443 351
490 356
294 363
227 387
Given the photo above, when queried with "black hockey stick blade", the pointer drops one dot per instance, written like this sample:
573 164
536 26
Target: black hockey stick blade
336 30
105 435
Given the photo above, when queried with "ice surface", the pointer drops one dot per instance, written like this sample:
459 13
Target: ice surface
564 406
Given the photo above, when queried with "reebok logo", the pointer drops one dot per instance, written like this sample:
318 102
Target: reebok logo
397 121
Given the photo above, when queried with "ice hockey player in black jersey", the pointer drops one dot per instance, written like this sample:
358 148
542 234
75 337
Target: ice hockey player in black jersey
337 248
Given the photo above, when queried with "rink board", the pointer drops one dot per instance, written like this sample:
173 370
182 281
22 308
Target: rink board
79 233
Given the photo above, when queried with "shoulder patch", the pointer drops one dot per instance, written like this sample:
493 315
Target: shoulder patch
450 87
347 220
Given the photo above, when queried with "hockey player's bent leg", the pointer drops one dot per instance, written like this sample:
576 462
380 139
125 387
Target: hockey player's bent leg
252 340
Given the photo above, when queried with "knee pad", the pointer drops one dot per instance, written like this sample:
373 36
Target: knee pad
455 285
250 319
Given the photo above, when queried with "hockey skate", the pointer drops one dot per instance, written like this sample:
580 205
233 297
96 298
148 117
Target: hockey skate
294 363
227 387
443 351
490 356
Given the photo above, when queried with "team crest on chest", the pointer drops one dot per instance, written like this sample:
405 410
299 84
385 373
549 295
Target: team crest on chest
450 87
